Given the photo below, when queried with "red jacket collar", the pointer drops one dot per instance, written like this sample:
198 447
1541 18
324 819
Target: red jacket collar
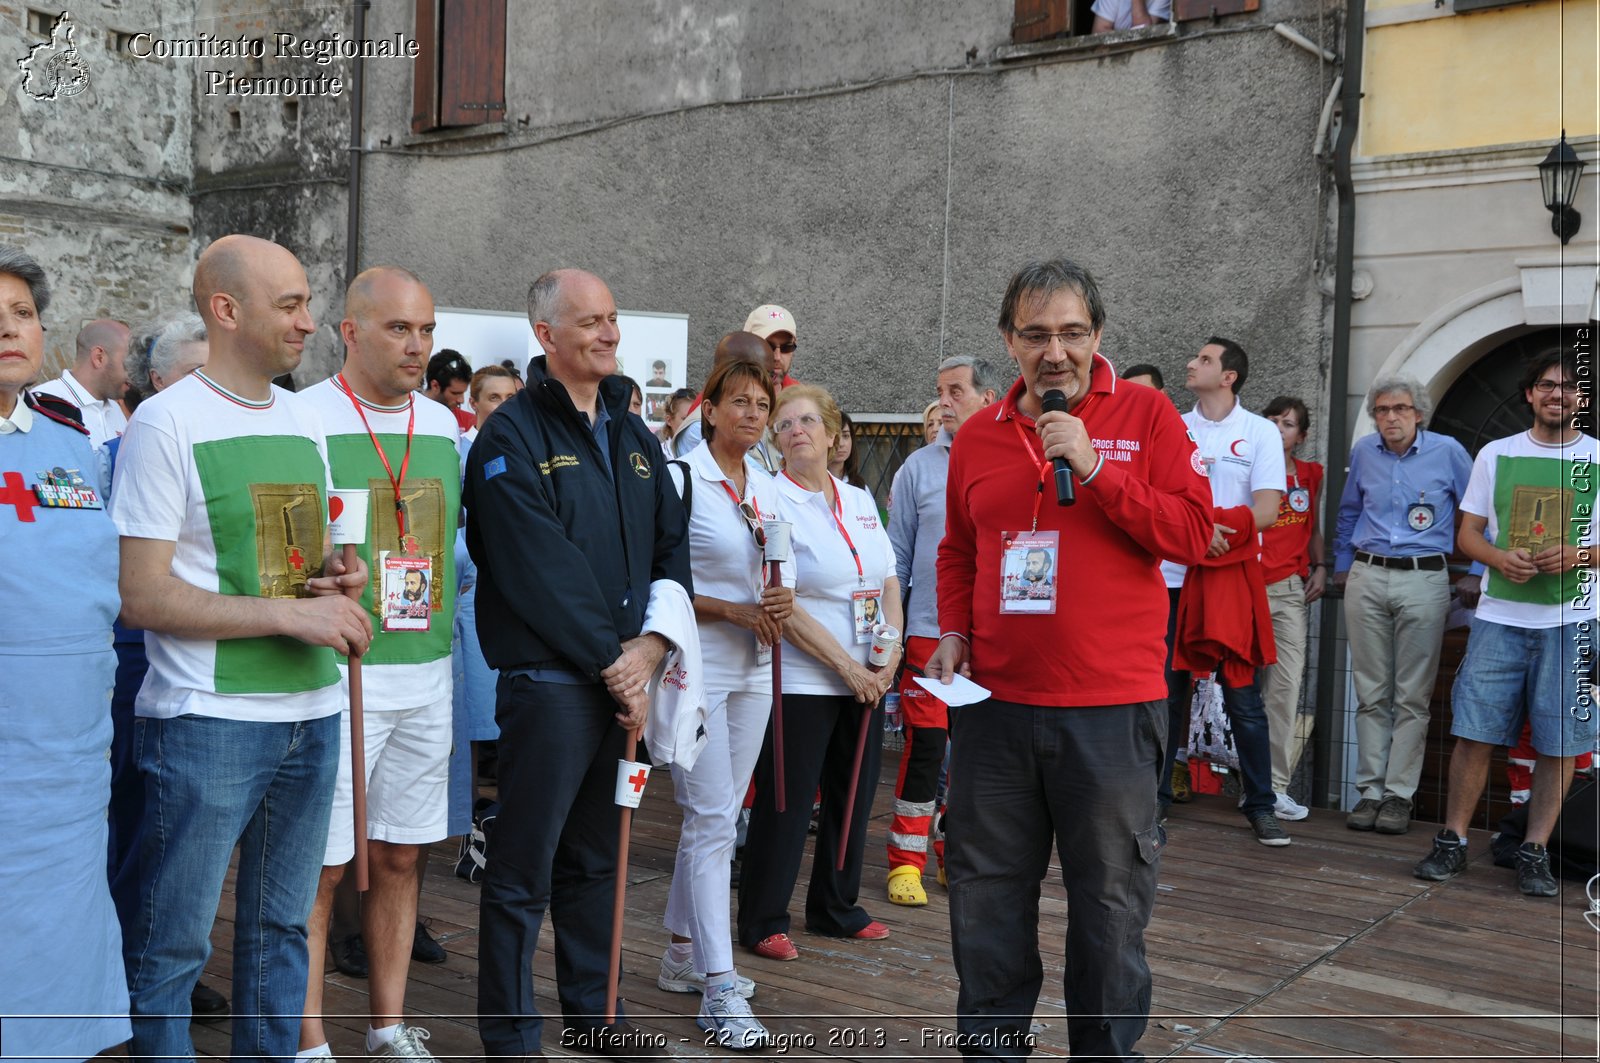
1102 377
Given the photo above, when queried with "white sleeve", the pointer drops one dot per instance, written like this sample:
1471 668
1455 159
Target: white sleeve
1479 497
1267 471
151 495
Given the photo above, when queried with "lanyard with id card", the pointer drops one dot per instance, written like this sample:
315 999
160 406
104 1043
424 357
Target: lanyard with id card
405 576
1029 559
866 603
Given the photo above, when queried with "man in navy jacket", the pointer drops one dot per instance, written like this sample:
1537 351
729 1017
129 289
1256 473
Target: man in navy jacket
571 517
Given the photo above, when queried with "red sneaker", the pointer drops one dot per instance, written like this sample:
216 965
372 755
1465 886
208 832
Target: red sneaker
779 947
873 931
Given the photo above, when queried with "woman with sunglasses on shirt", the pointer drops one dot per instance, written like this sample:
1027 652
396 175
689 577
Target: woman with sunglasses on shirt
739 619
843 561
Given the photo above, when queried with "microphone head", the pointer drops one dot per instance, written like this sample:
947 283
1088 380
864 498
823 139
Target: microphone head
1054 400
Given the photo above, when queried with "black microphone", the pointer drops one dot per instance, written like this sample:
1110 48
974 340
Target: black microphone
1065 496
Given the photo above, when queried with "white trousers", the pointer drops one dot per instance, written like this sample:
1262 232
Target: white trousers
698 905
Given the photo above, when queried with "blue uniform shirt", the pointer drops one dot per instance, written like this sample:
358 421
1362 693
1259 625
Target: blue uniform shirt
1376 511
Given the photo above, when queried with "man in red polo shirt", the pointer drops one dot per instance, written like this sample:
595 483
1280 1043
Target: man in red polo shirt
1064 749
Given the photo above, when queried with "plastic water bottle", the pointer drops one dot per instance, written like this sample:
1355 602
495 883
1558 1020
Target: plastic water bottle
891 712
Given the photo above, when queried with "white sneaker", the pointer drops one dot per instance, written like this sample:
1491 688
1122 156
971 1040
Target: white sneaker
1288 808
683 978
727 1017
407 1044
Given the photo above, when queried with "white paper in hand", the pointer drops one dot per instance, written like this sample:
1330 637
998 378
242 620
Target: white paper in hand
961 691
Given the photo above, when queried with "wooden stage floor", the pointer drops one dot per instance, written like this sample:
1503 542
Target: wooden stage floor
1325 950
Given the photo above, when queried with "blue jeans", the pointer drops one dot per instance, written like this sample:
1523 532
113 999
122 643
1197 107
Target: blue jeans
211 784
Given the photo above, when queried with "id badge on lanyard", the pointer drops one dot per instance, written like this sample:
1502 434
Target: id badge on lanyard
1029 571
406 575
407 590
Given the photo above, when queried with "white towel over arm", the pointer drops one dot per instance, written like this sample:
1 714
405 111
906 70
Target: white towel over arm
675 730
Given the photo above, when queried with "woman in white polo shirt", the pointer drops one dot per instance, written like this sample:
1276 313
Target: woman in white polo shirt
843 561
738 615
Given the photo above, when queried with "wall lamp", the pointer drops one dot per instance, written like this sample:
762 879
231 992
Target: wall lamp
1558 180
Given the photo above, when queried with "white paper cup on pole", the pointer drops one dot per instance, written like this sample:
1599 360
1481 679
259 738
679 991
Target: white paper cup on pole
884 639
347 515
780 542
631 777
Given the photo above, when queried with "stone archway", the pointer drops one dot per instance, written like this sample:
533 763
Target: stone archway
1548 290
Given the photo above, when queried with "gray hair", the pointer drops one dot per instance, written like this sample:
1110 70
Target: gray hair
1389 385
543 295
21 265
983 374
157 347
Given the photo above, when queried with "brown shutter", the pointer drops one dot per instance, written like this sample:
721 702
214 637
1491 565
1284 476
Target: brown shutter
1188 10
472 67
425 71
1040 20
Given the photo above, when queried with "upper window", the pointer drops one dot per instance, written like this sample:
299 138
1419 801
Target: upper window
1042 20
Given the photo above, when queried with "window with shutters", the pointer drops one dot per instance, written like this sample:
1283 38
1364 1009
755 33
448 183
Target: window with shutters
1035 21
459 77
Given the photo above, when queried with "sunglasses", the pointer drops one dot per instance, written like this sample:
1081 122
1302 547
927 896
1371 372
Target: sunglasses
752 518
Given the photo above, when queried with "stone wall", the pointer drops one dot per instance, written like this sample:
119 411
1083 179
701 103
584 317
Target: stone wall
880 172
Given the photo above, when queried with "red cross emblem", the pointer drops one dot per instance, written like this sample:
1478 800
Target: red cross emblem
410 545
17 495
1538 529
636 780
297 559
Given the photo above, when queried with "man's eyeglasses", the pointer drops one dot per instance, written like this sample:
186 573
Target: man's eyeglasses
808 421
1545 387
1037 339
1402 409
786 348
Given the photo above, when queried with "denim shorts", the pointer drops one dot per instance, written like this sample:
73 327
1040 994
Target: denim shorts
1541 673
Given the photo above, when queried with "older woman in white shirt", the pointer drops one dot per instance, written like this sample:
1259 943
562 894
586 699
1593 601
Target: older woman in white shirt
738 616
843 562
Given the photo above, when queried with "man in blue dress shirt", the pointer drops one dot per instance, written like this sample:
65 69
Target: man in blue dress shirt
1396 525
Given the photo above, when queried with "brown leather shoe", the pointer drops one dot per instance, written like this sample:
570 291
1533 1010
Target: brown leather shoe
1394 816
1364 816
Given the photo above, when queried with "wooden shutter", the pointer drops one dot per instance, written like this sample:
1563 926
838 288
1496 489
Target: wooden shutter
1188 10
459 77
1040 20
425 71
472 67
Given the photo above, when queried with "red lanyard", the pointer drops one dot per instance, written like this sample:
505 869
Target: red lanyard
1044 469
1044 462
837 511
405 463
739 502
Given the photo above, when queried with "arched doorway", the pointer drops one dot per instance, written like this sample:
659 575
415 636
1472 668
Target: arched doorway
1484 403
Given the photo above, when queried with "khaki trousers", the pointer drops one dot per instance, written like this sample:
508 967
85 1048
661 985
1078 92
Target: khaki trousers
1395 620
1288 727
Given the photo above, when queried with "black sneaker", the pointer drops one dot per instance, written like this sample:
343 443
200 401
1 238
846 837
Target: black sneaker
1533 871
1447 860
206 1004
424 949
349 955
1268 830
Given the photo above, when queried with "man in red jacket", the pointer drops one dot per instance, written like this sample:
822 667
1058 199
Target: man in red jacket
1063 750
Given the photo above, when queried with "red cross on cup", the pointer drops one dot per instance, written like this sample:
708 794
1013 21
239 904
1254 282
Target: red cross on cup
631 776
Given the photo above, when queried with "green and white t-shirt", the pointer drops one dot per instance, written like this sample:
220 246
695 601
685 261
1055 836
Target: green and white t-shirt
240 488
1535 495
401 669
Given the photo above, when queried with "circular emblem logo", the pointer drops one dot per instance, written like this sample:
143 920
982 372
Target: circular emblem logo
640 465
1198 464
1299 500
66 75
1420 517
